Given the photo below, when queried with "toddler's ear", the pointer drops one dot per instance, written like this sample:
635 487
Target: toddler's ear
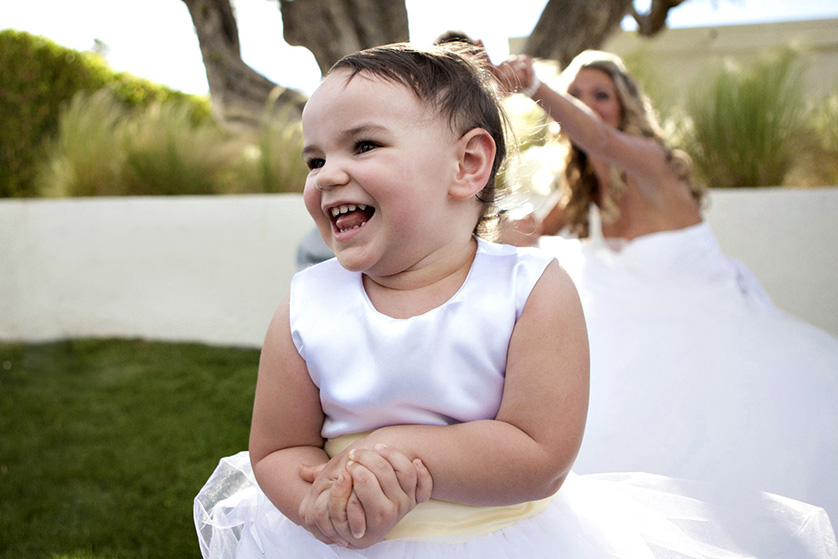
475 157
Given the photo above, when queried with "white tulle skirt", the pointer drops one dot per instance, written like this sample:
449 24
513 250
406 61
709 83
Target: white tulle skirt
629 516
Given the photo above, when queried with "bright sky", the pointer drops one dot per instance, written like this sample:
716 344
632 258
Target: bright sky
155 39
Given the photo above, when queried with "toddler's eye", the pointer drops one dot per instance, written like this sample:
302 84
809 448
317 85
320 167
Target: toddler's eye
314 163
365 145
602 96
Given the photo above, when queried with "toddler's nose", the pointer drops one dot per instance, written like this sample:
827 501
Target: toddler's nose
330 175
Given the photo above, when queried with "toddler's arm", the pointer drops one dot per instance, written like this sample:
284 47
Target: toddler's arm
286 424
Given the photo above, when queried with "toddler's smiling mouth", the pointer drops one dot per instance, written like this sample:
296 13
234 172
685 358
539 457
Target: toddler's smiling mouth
350 216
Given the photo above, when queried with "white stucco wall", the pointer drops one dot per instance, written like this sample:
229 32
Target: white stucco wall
788 237
209 269
213 269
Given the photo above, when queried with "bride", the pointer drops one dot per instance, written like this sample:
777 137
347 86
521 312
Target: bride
695 373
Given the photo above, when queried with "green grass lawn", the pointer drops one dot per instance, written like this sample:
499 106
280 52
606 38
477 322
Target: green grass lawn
104 444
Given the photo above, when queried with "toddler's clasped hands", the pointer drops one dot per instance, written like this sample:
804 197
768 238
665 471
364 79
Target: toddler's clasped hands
360 495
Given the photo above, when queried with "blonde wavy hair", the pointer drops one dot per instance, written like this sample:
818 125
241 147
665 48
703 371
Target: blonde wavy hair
580 184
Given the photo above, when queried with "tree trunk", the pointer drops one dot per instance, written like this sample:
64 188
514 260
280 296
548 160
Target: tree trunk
331 29
241 97
567 27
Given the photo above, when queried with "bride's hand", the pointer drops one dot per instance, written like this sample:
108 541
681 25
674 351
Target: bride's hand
515 74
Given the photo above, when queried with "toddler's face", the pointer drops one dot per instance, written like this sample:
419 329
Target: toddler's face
380 162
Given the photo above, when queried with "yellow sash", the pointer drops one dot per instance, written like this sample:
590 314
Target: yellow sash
451 522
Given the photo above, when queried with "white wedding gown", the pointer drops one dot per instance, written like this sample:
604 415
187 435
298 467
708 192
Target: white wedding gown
696 374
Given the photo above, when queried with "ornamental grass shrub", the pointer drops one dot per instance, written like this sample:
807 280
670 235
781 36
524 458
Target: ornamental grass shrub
165 152
103 148
817 161
84 159
743 122
272 159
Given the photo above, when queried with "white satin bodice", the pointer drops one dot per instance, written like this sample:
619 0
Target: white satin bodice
442 367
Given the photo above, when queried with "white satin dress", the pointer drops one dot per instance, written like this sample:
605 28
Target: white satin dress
447 366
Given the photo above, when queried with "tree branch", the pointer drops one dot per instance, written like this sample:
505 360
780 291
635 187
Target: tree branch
651 23
240 95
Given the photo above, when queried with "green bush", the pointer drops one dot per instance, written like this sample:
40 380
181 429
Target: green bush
39 78
743 124
70 126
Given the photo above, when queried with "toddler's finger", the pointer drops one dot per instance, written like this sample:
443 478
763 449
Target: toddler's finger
309 524
356 517
366 486
372 460
405 470
424 481
339 495
309 473
322 521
